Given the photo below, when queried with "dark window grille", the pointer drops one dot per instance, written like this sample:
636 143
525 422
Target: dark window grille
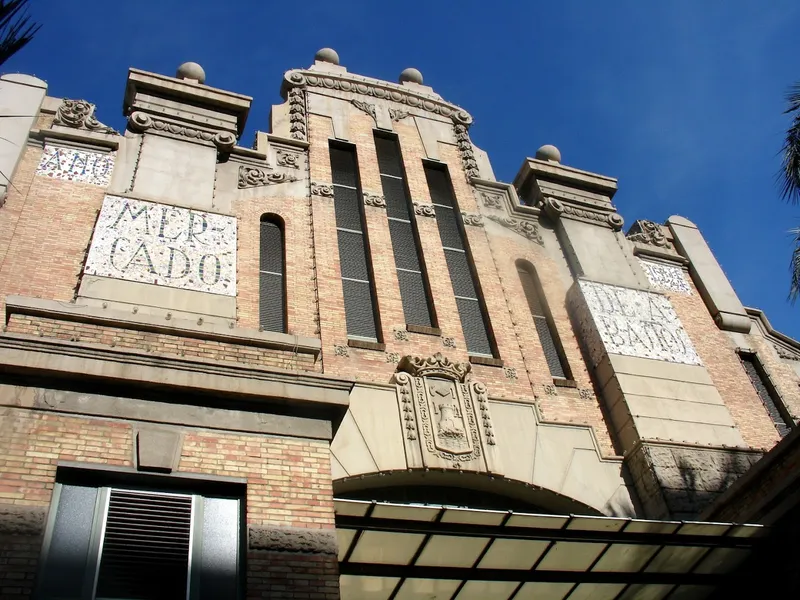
357 280
272 276
414 290
543 321
766 392
471 311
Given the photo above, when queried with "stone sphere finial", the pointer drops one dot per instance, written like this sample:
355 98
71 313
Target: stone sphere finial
411 75
191 70
328 55
548 152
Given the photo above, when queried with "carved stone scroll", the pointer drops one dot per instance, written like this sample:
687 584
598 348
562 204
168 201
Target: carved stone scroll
374 200
79 114
524 228
472 220
298 121
255 177
322 189
365 107
648 232
467 151
424 210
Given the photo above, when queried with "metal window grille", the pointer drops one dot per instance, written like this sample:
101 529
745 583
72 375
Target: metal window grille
359 296
765 392
272 282
474 320
548 337
414 290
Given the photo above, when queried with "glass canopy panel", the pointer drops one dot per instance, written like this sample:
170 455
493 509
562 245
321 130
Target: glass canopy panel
405 512
597 523
474 517
451 551
570 556
386 548
482 590
513 554
425 589
646 592
691 592
367 588
345 538
539 521
675 559
596 591
652 526
722 560
704 529
543 591
351 508
629 558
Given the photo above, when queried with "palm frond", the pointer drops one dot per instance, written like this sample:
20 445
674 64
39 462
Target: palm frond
16 28
794 267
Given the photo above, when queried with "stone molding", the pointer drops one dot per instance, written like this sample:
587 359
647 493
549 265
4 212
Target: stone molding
79 114
526 229
298 117
557 209
491 200
324 190
375 200
398 115
287 159
789 347
255 177
648 232
424 209
292 539
18 520
375 88
473 220
466 151
142 122
67 311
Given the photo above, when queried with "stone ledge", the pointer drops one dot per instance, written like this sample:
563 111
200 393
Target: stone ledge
486 361
21 520
88 140
365 345
668 256
68 311
423 329
292 539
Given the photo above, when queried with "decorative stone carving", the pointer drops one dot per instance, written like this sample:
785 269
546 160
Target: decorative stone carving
341 350
140 121
322 189
374 200
70 164
585 394
392 357
288 159
526 229
164 245
472 220
298 121
298 540
377 89
648 232
424 210
510 372
666 277
397 114
466 150
364 107
449 413
255 177
79 114
785 354
633 323
401 335
550 389
492 200
449 342
556 208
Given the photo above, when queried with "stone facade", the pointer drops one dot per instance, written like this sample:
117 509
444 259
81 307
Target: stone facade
137 348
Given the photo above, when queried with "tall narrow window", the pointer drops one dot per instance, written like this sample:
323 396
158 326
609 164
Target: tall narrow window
473 316
272 276
767 393
414 291
543 321
359 295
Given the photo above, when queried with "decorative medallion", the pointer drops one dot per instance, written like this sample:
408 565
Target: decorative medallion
255 177
510 372
648 232
401 335
79 114
374 200
472 220
492 200
341 350
424 210
449 342
322 189
288 159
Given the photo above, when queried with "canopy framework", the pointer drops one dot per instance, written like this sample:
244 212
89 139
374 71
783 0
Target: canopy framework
404 551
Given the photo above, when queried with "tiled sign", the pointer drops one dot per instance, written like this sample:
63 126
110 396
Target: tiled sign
164 245
76 165
637 323
666 277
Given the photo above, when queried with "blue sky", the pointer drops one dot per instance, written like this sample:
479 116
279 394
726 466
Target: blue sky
682 101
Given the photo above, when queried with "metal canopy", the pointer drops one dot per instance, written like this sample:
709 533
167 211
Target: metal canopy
414 552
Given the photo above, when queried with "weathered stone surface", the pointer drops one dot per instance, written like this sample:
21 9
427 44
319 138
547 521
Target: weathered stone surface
158 449
21 520
292 539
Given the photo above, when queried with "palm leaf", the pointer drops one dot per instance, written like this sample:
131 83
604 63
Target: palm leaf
16 28
794 267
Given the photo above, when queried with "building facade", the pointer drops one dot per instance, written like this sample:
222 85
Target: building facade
348 362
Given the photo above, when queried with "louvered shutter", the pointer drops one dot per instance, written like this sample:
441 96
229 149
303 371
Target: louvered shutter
272 288
549 341
770 403
147 540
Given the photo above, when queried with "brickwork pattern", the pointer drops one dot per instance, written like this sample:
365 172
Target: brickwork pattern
782 376
159 343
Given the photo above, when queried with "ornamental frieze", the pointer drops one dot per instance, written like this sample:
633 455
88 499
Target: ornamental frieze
446 417
524 228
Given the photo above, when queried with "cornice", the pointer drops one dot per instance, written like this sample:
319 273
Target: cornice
784 342
375 88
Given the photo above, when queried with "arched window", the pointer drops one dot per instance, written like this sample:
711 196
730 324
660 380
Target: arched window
272 276
543 321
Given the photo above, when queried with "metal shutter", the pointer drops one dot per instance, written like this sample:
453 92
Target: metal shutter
473 326
347 207
460 274
272 292
546 338
749 364
439 186
449 231
388 156
145 553
415 303
358 312
343 166
404 246
394 191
